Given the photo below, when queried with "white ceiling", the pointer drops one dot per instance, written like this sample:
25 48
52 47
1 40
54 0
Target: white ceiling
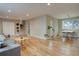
58 10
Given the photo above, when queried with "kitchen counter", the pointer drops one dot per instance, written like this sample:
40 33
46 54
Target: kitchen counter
10 50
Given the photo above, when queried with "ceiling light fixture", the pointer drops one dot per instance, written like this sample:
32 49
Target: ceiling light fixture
48 4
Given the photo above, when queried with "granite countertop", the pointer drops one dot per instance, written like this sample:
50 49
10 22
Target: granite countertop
10 45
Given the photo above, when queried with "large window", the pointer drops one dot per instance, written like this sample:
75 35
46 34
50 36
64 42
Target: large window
66 24
8 28
76 24
70 24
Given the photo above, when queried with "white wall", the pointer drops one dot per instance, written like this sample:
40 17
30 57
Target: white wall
0 27
38 27
55 25
8 27
27 28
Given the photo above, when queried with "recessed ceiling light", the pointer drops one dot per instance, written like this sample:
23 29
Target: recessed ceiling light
48 4
9 10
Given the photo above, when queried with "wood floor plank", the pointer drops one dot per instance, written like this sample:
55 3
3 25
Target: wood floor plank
40 47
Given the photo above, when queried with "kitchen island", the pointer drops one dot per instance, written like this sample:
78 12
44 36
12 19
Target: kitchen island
10 50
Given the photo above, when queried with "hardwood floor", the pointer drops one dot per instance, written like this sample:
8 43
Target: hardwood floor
56 47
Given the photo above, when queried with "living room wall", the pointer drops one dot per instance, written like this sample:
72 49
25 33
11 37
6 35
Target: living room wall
39 26
0 26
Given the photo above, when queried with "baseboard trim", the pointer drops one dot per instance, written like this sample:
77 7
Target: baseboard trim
38 38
